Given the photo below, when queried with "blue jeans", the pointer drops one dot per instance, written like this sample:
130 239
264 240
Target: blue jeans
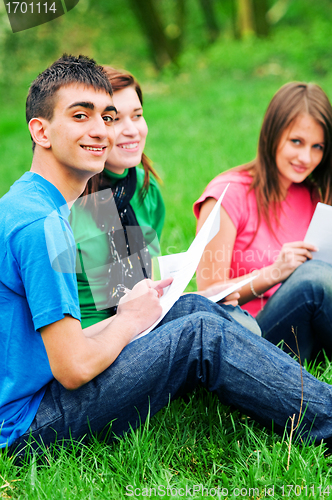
197 343
244 318
303 303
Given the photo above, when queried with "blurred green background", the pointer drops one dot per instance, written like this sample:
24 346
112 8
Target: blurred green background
204 109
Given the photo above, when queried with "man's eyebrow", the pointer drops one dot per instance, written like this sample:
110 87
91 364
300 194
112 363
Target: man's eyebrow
90 105
82 104
111 108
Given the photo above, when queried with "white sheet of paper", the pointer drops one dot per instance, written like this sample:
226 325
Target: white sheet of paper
182 266
319 232
231 289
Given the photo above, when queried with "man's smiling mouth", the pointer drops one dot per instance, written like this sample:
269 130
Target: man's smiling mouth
92 148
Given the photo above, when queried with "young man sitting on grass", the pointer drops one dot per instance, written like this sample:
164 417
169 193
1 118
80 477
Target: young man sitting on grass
58 381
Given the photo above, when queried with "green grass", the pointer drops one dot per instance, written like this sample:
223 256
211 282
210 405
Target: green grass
203 117
191 444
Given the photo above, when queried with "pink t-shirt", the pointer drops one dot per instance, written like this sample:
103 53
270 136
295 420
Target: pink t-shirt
294 218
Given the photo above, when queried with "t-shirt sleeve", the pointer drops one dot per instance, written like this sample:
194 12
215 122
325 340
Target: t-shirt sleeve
157 207
234 201
45 256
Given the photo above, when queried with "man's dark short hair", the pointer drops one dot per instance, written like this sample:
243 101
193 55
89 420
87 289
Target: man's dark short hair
67 70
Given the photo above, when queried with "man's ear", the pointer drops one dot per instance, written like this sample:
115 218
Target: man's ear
38 130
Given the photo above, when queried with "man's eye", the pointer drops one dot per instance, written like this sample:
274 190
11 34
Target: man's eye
80 116
108 118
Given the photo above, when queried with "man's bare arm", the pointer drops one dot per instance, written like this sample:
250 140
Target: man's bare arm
76 357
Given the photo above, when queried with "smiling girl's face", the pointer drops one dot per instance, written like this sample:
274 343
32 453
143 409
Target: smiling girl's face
130 130
300 150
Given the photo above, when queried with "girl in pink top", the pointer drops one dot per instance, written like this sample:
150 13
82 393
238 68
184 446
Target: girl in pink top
264 218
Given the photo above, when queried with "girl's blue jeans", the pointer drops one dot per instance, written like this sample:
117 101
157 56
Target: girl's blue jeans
197 343
302 306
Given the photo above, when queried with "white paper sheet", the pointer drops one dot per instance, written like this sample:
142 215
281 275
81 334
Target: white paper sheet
182 266
231 289
320 232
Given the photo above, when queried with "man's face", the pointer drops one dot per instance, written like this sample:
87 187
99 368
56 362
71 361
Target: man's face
81 131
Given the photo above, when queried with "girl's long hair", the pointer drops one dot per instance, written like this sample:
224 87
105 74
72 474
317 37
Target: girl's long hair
120 80
291 100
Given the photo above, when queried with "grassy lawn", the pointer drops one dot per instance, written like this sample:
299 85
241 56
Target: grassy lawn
203 117
195 448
